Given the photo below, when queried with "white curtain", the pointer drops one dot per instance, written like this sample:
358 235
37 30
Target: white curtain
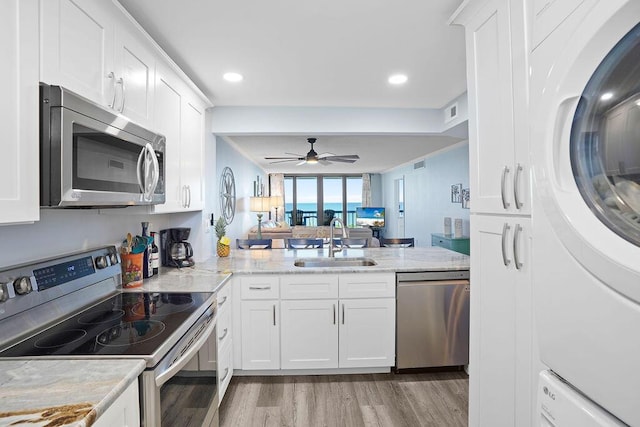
276 189
366 190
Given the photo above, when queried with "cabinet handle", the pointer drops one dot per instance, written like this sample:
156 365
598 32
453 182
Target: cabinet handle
505 229
226 372
189 196
223 301
343 314
259 288
516 186
334 314
112 76
184 196
274 315
503 191
226 331
516 254
124 97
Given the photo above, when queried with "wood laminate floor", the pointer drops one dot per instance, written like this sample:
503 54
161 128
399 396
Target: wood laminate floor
385 400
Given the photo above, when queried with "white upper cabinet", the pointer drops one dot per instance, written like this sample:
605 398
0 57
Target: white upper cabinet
192 154
78 48
135 75
19 192
497 81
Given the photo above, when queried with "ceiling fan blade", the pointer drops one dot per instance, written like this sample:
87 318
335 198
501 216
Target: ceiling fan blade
301 163
327 154
283 161
295 154
339 159
342 156
283 158
324 162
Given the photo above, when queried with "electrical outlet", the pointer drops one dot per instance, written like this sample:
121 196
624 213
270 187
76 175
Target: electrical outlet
206 226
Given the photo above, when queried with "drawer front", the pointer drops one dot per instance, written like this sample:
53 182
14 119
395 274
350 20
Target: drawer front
225 369
260 287
373 285
224 327
309 286
224 298
439 241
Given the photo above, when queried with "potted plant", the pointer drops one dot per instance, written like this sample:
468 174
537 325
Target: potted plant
223 247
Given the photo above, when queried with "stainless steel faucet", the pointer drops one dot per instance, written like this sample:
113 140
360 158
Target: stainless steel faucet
345 234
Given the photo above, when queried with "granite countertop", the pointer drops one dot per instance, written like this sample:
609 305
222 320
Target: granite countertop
280 261
62 392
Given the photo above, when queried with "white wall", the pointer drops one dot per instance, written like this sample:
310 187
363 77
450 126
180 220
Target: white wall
428 194
244 172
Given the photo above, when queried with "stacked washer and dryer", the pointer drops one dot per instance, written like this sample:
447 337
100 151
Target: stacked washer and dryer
585 142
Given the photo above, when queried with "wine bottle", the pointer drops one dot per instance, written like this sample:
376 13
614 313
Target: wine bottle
155 254
147 269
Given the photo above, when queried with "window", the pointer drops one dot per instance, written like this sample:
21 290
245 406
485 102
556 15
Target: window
336 194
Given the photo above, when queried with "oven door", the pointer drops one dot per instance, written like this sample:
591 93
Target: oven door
182 390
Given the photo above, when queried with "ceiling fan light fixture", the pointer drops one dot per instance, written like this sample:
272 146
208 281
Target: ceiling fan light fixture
233 77
398 79
312 161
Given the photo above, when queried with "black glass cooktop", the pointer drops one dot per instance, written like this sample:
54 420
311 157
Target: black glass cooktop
132 324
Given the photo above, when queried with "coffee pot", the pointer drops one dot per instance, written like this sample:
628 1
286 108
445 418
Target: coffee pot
176 251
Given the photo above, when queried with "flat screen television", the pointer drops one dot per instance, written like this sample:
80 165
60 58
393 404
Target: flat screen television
370 217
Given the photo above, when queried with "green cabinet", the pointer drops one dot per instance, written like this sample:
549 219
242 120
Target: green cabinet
458 244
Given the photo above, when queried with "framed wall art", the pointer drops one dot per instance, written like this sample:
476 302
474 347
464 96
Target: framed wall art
456 193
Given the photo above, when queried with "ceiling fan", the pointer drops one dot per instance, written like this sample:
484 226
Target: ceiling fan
312 157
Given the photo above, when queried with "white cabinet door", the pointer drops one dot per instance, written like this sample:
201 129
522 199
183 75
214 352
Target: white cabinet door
192 155
19 192
124 411
225 372
135 76
167 116
367 333
500 340
498 164
78 47
260 334
309 334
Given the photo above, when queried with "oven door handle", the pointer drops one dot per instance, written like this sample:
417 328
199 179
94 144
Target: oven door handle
165 376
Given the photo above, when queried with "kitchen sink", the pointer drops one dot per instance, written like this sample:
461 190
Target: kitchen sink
334 262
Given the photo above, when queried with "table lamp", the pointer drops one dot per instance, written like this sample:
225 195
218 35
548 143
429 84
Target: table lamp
276 202
259 204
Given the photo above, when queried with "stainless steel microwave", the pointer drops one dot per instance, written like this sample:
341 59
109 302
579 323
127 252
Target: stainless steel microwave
93 157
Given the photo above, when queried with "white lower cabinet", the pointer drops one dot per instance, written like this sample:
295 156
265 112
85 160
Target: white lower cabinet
311 325
309 334
125 411
367 333
260 334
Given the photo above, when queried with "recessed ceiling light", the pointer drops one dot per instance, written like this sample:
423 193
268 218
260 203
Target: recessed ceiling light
606 96
233 77
398 79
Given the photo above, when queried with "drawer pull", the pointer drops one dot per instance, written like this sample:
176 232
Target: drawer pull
225 332
223 301
226 373
259 288
343 314
334 314
274 315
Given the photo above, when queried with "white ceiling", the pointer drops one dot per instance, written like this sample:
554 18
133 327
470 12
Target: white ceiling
333 53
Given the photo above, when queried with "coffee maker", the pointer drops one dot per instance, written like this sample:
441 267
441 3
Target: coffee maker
176 251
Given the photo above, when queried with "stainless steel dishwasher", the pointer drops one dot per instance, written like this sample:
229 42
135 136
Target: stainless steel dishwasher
432 319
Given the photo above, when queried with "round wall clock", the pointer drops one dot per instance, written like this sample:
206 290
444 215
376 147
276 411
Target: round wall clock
227 195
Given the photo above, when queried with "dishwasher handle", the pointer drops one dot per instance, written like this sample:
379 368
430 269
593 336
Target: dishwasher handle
434 283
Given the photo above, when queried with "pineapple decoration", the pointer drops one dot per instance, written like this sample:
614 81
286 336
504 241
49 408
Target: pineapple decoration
223 248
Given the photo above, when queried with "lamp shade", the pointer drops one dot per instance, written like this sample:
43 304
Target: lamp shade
259 204
276 201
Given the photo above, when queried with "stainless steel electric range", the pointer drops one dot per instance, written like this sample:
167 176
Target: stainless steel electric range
71 307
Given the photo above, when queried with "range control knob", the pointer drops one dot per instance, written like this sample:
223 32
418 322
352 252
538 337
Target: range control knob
4 293
22 285
101 262
113 258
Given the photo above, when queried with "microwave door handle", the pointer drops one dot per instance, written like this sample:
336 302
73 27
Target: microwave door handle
146 159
